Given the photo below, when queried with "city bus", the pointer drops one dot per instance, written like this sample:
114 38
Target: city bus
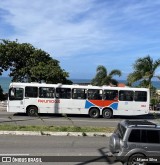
95 101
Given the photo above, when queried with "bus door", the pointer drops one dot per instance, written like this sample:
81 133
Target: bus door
16 102
79 96
126 104
47 102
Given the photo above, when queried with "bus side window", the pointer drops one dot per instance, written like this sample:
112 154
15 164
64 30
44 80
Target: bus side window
94 94
110 95
46 92
31 91
140 96
78 93
126 95
63 93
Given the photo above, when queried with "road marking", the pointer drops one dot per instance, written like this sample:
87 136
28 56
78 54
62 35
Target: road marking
14 154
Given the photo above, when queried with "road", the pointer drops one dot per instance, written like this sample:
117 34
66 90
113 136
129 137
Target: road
59 120
85 150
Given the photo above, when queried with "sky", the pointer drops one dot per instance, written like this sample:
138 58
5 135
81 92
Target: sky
83 34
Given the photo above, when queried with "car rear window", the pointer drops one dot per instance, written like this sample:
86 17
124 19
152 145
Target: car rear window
120 130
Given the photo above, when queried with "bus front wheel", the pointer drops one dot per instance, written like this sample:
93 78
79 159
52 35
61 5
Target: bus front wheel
32 111
107 113
94 113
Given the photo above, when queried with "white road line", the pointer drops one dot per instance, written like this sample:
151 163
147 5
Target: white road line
14 154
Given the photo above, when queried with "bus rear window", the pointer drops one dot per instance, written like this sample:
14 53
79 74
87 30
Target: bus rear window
120 130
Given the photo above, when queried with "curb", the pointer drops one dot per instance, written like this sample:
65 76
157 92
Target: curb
3 109
45 133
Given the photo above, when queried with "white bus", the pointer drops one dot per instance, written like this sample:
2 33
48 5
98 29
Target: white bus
34 98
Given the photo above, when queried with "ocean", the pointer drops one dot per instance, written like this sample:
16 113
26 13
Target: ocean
5 81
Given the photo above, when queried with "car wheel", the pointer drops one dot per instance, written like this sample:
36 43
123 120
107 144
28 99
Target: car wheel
94 113
32 111
137 159
107 114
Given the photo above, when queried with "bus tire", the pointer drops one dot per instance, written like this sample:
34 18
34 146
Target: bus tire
107 113
32 111
94 113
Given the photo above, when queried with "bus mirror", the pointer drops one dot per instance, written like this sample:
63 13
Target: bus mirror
12 92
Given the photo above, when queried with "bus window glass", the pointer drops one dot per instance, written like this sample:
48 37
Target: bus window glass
94 94
16 94
110 94
78 93
31 92
46 92
63 93
126 95
140 96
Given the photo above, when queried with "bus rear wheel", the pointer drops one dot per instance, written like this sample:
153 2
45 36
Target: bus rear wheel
94 113
107 114
32 111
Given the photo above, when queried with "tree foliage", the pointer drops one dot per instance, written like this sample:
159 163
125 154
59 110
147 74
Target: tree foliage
2 97
104 78
26 63
144 70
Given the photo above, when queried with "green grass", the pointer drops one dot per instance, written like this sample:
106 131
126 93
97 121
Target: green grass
55 128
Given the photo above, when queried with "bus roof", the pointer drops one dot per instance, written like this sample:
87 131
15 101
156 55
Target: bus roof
35 84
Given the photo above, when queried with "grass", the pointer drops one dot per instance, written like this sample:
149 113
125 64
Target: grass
55 128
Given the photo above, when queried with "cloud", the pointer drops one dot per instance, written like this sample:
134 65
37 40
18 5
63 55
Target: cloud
93 30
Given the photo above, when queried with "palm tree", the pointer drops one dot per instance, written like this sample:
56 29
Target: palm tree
104 78
144 69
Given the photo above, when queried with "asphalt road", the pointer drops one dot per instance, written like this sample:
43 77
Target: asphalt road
78 150
78 120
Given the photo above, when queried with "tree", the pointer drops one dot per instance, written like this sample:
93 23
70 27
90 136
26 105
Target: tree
144 70
26 63
104 78
2 97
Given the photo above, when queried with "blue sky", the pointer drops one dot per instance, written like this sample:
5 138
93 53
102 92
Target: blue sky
83 34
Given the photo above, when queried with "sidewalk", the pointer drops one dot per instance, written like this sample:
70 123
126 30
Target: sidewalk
152 112
3 105
46 133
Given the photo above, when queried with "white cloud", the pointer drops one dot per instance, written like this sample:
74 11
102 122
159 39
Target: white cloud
102 31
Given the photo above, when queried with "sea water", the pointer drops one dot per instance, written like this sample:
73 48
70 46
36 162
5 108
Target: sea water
5 81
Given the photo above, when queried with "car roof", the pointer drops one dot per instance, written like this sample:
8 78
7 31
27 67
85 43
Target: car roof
138 123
